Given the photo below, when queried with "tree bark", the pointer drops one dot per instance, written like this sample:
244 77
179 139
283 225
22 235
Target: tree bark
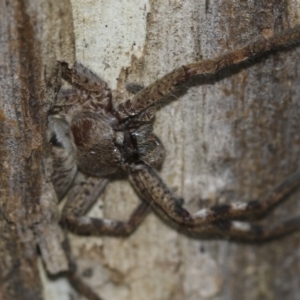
34 35
229 139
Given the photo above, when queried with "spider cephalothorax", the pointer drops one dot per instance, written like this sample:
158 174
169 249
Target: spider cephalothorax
93 138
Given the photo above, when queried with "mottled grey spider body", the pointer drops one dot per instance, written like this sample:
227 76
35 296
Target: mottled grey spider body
91 135
97 138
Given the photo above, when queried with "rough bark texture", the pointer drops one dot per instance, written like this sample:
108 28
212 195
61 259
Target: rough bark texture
34 35
232 138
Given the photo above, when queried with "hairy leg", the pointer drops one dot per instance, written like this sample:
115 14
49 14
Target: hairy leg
162 87
92 91
220 219
82 78
81 197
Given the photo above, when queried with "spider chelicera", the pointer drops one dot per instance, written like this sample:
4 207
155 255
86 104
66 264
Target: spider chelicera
93 138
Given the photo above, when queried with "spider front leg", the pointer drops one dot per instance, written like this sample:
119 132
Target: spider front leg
221 220
91 92
82 78
79 203
162 87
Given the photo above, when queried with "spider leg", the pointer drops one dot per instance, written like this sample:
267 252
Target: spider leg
78 284
93 92
83 78
81 287
151 187
250 231
67 97
82 195
236 229
162 87
78 204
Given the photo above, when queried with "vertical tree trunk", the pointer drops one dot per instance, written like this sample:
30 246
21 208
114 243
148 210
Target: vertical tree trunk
229 139
34 35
